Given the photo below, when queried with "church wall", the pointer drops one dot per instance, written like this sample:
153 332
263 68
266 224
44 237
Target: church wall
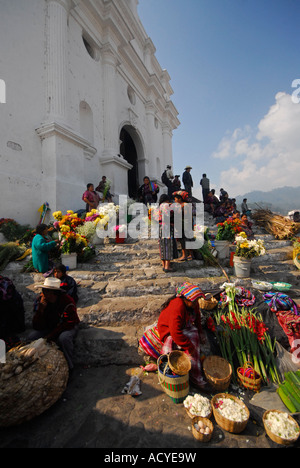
22 69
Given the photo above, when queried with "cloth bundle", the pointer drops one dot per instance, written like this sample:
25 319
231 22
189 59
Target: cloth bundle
287 313
243 297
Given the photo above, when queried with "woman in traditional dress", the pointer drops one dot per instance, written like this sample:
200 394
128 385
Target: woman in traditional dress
147 192
178 327
167 245
181 200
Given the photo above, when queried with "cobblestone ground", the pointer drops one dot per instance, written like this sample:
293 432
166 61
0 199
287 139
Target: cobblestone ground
94 413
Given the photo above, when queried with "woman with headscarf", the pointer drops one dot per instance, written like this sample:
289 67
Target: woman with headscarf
178 327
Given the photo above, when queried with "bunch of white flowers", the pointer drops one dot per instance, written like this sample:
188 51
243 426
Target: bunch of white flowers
232 410
281 425
198 405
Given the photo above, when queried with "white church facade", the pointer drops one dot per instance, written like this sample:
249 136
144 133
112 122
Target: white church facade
83 96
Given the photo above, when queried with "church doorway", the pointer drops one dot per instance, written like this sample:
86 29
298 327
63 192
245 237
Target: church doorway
129 152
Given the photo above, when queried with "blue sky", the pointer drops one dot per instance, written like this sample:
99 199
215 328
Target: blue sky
232 64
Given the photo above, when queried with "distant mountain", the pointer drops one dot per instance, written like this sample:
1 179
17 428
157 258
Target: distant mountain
280 200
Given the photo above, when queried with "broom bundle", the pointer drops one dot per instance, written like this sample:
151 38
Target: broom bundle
275 224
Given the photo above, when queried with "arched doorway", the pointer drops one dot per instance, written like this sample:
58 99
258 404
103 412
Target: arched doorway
129 152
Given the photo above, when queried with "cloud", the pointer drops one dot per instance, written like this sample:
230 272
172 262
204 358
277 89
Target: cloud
266 158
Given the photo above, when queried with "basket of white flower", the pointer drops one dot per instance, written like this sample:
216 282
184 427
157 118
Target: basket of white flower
281 427
230 412
198 405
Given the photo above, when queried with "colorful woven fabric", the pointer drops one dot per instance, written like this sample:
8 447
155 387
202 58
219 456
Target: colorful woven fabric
279 301
189 291
150 343
182 193
243 297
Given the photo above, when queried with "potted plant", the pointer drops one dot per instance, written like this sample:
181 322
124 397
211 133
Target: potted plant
246 250
72 245
225 236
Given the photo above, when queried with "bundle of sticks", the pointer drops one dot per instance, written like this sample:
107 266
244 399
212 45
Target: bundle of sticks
277 225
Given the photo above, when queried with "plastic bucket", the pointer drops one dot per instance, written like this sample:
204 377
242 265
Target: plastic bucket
69 260
242 267
222 247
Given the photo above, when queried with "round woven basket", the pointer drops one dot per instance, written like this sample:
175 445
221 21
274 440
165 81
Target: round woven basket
275 437
191 415
207 304
218 372
253 383
197 434
30 385
179 362
228 425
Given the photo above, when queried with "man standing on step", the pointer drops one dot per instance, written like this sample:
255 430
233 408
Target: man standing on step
187 180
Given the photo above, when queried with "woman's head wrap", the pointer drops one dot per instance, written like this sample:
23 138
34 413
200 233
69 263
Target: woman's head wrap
184 195
189 291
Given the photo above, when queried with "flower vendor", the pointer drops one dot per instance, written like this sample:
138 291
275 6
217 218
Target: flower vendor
178 327
55 317
90 197
40 247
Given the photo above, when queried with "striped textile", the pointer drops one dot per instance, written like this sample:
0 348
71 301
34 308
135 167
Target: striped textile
150 343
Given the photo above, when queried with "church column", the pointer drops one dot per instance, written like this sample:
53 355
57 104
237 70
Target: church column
110 124
167 144
151 156
57 36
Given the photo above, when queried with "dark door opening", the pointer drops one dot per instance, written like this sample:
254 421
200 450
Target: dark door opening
128 151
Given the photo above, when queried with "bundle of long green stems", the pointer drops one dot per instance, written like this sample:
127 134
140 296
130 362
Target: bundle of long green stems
243 337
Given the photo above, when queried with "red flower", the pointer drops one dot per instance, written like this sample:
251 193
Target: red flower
211 324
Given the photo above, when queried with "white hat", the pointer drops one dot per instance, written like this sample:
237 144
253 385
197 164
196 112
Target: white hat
188 167
51 283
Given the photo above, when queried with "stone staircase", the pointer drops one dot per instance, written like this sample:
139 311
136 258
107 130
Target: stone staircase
123 288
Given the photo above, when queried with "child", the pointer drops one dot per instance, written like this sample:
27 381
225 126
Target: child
66 282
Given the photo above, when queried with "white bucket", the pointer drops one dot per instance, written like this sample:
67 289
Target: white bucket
242 267
69 260
222 247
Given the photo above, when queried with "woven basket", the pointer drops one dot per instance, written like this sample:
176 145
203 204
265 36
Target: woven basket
218 372
275 437
207 304
197 434
253 383
175 386
179 362
29 386
191 415
228 425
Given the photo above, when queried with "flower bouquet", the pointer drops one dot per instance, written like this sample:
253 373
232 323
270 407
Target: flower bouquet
248 248
72 242
120 229
243 336
228 230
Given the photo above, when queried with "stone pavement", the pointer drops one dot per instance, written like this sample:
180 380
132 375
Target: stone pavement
120 292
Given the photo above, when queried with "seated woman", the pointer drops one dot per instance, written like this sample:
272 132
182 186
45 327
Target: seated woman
67 283
247 227
147 192
209 205
178 327
40 248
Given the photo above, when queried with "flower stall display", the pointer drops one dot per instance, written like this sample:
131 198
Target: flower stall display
243 337
198 405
